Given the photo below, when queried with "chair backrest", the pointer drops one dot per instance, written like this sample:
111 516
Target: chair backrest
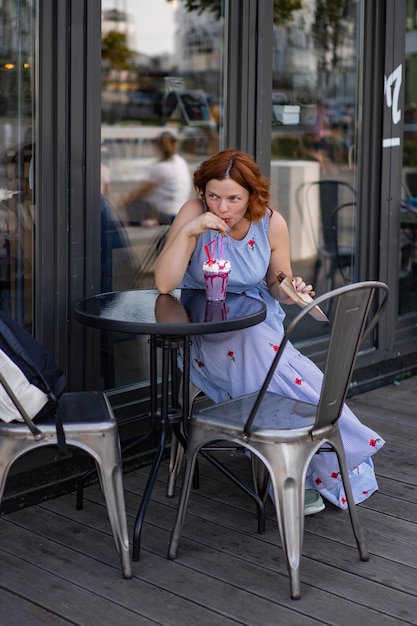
332 193
355 311
342 222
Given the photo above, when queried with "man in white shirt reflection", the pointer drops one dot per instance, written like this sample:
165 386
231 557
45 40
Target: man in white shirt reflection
167 187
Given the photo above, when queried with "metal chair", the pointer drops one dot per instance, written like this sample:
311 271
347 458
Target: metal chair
331 195
88 423
285 433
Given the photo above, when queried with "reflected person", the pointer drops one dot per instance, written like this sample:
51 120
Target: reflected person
168 186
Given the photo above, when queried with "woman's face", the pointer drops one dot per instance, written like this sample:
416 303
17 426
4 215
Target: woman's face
227 199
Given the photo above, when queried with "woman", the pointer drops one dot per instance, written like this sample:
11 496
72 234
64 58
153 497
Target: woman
233 201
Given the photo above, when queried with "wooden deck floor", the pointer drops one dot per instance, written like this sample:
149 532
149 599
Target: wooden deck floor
59 566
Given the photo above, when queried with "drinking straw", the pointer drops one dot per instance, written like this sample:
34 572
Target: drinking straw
207 249
221 246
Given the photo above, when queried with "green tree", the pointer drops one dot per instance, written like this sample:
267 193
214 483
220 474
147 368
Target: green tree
114 49
283 9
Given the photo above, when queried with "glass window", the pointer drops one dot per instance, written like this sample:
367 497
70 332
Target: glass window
161 116
407 302
16 167
316 66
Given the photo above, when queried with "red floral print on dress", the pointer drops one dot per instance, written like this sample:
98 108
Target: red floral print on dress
274 347
373 442
343 500
199 363
334 474
251 244
318 481
298 381
231 355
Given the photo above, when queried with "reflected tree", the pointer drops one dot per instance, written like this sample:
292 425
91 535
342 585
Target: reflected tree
283 9
330 29
114 50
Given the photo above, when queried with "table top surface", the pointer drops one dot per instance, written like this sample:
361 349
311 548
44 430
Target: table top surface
182 312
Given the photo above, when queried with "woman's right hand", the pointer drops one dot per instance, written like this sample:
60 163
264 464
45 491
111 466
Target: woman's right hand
202 223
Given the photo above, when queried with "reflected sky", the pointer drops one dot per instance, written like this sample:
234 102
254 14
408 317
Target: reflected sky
154 23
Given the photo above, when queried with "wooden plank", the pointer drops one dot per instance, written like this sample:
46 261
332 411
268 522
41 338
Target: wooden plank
53 592
15 611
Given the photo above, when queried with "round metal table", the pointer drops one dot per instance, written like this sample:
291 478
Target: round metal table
170 320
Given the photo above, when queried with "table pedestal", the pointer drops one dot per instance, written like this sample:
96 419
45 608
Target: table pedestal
161 416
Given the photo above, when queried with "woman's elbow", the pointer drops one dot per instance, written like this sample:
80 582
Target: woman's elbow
163 288
162 283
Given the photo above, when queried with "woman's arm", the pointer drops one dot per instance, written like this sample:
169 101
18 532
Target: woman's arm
141 191
173 261
280 260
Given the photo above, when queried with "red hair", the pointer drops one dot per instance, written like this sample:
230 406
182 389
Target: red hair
241 168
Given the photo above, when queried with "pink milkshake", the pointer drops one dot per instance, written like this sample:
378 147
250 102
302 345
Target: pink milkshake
216 276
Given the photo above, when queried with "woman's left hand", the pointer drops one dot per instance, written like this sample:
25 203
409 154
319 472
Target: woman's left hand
302 287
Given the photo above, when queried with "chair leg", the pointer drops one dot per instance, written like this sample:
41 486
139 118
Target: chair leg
353 512
11 449
177 451
287 471
109 467
176 456
260 477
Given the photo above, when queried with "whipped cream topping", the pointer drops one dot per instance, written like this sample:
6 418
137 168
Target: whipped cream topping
217 265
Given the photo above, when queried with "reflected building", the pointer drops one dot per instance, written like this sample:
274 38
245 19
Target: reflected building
114 20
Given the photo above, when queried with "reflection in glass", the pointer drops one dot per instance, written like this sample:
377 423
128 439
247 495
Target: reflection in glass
16 164
161 73
315 78
408 220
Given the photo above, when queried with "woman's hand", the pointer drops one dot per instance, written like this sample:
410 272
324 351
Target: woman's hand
302 287
202 223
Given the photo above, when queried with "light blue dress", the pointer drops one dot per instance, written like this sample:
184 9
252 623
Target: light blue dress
228 365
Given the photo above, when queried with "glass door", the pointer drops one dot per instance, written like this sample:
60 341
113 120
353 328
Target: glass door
407 281
162 66
315 104
16 165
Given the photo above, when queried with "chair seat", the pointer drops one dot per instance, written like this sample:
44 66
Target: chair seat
81 412
277 418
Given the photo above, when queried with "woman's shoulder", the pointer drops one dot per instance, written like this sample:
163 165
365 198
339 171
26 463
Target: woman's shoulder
194 206
278 230
190 209
277 221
